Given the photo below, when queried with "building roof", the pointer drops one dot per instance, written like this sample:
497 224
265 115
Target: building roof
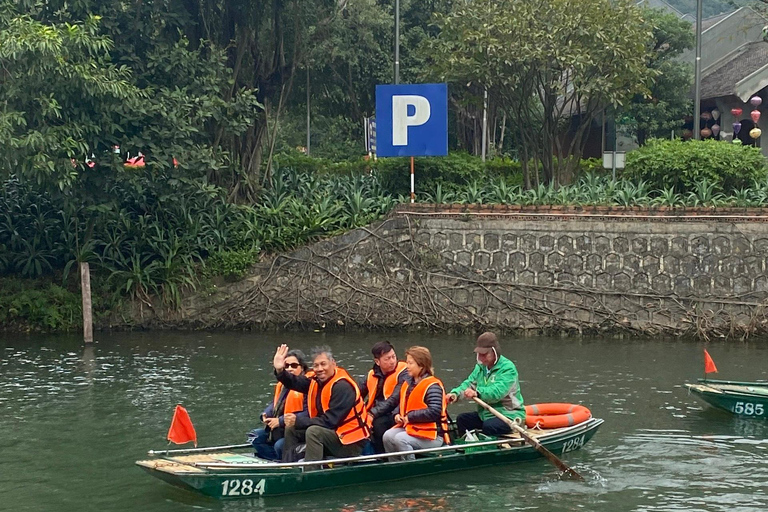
739 74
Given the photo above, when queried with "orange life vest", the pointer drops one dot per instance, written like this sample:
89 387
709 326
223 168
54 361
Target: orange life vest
417 401
294 402
390 382
355 427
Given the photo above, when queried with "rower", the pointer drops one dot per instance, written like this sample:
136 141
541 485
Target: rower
494 380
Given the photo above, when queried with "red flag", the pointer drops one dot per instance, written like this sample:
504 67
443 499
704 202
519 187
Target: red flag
181 430
709 364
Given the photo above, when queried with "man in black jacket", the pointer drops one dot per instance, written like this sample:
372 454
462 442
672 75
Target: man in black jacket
383 381
336 426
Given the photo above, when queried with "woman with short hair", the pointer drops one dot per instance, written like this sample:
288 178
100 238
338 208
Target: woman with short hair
420 417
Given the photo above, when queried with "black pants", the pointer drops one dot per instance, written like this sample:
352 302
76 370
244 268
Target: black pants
471 421
381 425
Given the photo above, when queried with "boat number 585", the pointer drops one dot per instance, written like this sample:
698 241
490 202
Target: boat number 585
573 444
242 487
748 408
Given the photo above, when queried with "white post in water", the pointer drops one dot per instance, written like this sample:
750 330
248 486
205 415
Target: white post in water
85 287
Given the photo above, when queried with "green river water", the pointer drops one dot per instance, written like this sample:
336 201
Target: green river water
73 420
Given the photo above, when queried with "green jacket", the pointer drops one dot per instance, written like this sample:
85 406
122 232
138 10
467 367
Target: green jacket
498 387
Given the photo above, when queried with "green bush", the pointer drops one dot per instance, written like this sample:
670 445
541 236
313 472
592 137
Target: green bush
35 305
452 172
231 264
679 165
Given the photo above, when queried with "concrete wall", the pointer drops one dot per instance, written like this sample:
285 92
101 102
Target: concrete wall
514 268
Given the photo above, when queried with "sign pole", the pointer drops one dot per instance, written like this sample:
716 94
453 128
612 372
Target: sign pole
413 190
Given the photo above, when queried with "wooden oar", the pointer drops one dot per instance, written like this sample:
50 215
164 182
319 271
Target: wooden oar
562 466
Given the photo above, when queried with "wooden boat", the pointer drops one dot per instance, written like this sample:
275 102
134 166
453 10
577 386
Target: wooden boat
233 472
742 398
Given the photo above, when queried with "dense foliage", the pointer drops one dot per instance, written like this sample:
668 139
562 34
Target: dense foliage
666 105
571 60
679 165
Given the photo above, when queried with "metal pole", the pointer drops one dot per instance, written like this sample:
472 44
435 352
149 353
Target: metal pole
613 157
308 117
485 123
397 42
413 184
697 76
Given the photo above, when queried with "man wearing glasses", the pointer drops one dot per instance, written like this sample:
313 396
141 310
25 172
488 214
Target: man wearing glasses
494 380
336 426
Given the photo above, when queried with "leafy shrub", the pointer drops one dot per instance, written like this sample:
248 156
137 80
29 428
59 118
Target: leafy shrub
452 172
231 264
680 164
35 305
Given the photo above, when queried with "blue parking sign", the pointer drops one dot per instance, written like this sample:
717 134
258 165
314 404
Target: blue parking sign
412 120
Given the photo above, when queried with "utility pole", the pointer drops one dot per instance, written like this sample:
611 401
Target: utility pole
484 138
697 77
397 41
308 117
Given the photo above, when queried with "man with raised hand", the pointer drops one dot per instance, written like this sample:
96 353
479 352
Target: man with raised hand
494 380
336 426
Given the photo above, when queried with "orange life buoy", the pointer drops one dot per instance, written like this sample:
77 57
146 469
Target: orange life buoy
555 415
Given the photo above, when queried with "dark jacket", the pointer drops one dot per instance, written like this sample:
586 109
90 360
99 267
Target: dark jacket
362 383
270 411
342 400
434 400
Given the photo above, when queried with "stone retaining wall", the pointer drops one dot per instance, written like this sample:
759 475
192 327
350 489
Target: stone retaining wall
703 272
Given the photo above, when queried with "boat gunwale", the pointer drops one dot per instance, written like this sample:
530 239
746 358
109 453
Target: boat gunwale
453 450
717 391
761 384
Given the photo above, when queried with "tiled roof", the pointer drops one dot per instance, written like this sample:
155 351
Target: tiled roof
722 78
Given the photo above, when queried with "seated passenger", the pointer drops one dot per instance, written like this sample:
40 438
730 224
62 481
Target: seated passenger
337 422
268 441
382 381
420 417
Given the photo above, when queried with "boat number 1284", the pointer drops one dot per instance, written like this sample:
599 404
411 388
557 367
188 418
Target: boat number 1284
244 487
573 444
748 408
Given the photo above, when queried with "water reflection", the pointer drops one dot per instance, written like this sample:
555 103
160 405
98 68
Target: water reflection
101 407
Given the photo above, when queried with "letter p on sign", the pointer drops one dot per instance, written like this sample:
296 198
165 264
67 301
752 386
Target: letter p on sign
412 120
401 119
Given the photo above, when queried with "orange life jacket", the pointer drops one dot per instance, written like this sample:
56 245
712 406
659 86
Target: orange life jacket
294 402
417 401
390 381
354 427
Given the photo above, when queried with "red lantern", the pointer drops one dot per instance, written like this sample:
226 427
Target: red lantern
755 115
736 111
705 132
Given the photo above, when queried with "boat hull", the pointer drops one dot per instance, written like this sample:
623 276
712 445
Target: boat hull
740 398
251 481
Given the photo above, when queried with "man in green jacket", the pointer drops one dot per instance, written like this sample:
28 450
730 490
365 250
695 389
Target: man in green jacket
494 380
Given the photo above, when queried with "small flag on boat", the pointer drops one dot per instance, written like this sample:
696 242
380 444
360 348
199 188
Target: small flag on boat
709 364
181 431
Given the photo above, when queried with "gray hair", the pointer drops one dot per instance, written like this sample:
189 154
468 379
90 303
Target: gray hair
322 349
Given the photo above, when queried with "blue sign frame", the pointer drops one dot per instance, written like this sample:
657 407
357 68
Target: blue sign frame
412 120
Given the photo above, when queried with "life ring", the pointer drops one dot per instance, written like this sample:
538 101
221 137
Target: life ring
555 415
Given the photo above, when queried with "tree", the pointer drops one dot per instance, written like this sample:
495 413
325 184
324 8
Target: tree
59 94
664 109
547 62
